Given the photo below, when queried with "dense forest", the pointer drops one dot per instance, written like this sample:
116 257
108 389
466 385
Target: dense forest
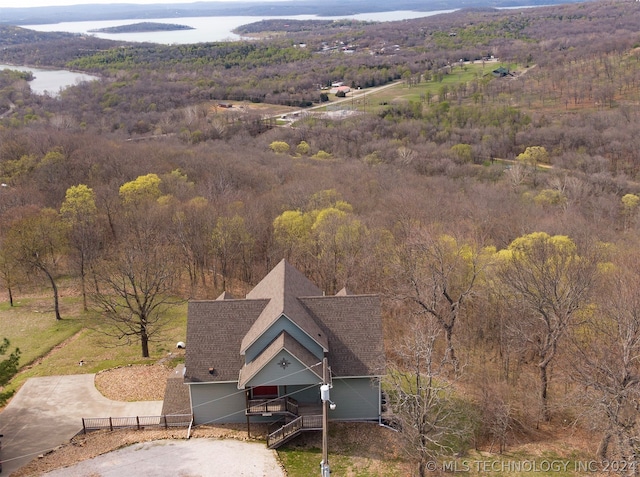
498 217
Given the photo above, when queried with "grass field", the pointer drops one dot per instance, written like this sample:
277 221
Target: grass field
460 74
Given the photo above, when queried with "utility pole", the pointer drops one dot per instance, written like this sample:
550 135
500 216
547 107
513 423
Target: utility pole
324 395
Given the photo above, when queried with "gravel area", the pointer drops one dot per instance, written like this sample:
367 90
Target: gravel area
169 458
84 447
134 383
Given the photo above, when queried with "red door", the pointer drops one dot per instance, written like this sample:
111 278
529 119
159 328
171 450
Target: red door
260 392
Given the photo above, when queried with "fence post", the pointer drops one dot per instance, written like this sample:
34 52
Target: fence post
84 428
165 422
110 424
138 421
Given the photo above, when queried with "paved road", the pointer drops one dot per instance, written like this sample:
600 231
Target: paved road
170 458
47 412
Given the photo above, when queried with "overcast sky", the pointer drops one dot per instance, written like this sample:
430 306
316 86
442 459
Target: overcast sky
43 3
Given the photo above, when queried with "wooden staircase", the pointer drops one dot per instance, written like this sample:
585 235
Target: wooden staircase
293 428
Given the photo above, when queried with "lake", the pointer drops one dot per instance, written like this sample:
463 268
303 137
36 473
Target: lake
51 81
207 29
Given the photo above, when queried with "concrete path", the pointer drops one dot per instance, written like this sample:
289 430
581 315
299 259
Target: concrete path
169 458
47 412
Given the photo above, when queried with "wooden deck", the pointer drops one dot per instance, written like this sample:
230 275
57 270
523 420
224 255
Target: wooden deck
277 406
293 428
298 417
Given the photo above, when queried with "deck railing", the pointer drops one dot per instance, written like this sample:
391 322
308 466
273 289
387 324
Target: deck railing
271 406
136 422
293 428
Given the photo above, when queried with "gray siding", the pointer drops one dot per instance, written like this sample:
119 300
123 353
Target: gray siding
355 398
216 403
282 324
304 394
274 375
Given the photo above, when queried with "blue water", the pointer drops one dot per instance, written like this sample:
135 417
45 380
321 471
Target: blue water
51 81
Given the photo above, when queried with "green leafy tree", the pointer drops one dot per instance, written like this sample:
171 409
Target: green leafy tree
303 148
630 203
326 241
534 155
322 156
141 189
80 214
292 230
464 152
550 283
279 147
550 198
8 368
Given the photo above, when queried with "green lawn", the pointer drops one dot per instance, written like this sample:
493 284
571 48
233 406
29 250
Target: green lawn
31 326
459 74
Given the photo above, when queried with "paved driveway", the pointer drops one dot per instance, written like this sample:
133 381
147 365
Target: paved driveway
194 458
48 411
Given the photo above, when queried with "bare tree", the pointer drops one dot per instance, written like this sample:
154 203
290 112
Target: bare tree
429 417
440 274
605 363
36 242
134 291
135 281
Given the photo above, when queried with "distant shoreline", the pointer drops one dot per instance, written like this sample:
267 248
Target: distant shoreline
328 8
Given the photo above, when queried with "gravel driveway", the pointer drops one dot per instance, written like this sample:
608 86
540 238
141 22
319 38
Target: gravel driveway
185 458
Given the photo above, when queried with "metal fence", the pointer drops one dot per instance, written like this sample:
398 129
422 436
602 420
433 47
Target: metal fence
136 422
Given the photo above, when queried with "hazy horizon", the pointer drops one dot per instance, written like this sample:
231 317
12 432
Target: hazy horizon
63 3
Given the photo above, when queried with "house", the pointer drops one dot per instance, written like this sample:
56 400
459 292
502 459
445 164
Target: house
501 72
260 359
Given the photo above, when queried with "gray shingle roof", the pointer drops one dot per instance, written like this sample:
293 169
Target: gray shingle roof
282 286
349 327
176 396
353 325
214 331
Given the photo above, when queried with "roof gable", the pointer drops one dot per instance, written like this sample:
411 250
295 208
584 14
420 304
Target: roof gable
284 342
282 287
283 323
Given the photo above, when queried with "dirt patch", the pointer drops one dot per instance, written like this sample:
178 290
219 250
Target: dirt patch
134 383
